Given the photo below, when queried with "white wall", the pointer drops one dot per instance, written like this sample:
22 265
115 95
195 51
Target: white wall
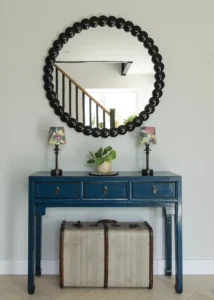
183 31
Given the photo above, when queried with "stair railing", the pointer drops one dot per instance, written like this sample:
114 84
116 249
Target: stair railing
71 83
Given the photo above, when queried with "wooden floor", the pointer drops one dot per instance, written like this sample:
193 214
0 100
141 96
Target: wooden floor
47 288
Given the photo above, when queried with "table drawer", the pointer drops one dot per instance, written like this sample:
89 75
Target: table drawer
153 190
105 190
57 190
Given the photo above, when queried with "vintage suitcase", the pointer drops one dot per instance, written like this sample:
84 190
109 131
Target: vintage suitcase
106 254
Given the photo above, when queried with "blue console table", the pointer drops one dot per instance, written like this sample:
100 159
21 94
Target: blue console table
128 189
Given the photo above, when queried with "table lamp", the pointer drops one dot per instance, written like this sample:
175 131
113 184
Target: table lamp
56 137
147 137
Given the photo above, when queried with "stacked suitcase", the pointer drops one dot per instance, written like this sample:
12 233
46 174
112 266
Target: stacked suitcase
106 254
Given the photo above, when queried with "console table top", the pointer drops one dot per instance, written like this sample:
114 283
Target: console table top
121 174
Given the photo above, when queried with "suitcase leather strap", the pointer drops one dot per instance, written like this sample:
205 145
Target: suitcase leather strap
106 247
106 221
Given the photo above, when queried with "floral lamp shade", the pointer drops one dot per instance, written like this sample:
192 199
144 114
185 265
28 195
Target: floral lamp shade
147 136
57 136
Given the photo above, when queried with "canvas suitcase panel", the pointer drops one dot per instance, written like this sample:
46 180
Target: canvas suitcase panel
81 255
130 255
106 254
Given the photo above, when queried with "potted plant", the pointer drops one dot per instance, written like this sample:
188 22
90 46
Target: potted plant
103 159
129 119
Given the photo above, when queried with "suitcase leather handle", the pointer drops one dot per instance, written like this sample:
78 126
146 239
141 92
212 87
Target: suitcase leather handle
107 221
78 224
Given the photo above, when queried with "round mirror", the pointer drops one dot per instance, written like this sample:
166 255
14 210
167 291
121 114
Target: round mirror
104 81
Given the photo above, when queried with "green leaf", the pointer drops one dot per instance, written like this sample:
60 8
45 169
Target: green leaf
90 161
99 161
92 155
110 156
107 158
113 154
100 150
109 148
97 154
105 152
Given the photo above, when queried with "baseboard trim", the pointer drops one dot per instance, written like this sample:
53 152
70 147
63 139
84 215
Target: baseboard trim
51 267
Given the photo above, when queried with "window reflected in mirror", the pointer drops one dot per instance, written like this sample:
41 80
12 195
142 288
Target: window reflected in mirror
124 102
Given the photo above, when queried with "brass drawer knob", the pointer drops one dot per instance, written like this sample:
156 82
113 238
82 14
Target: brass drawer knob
105 190
56 190
154 190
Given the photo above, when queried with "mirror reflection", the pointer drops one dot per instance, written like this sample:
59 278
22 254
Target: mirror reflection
103 78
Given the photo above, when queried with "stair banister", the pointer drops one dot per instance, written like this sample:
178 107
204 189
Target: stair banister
82 89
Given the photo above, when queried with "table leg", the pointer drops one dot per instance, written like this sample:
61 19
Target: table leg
178 248
168 243
31 236
38 244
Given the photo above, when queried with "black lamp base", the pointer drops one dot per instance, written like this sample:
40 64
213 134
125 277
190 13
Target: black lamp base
147 172
56 172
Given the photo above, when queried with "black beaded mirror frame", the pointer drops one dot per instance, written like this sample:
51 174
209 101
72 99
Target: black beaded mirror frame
142 37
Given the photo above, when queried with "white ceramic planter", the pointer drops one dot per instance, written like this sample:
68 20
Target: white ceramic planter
106 167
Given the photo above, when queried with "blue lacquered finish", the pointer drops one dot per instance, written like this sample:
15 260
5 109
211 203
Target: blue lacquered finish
128 189
168 243
38 245
67 190
106 190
